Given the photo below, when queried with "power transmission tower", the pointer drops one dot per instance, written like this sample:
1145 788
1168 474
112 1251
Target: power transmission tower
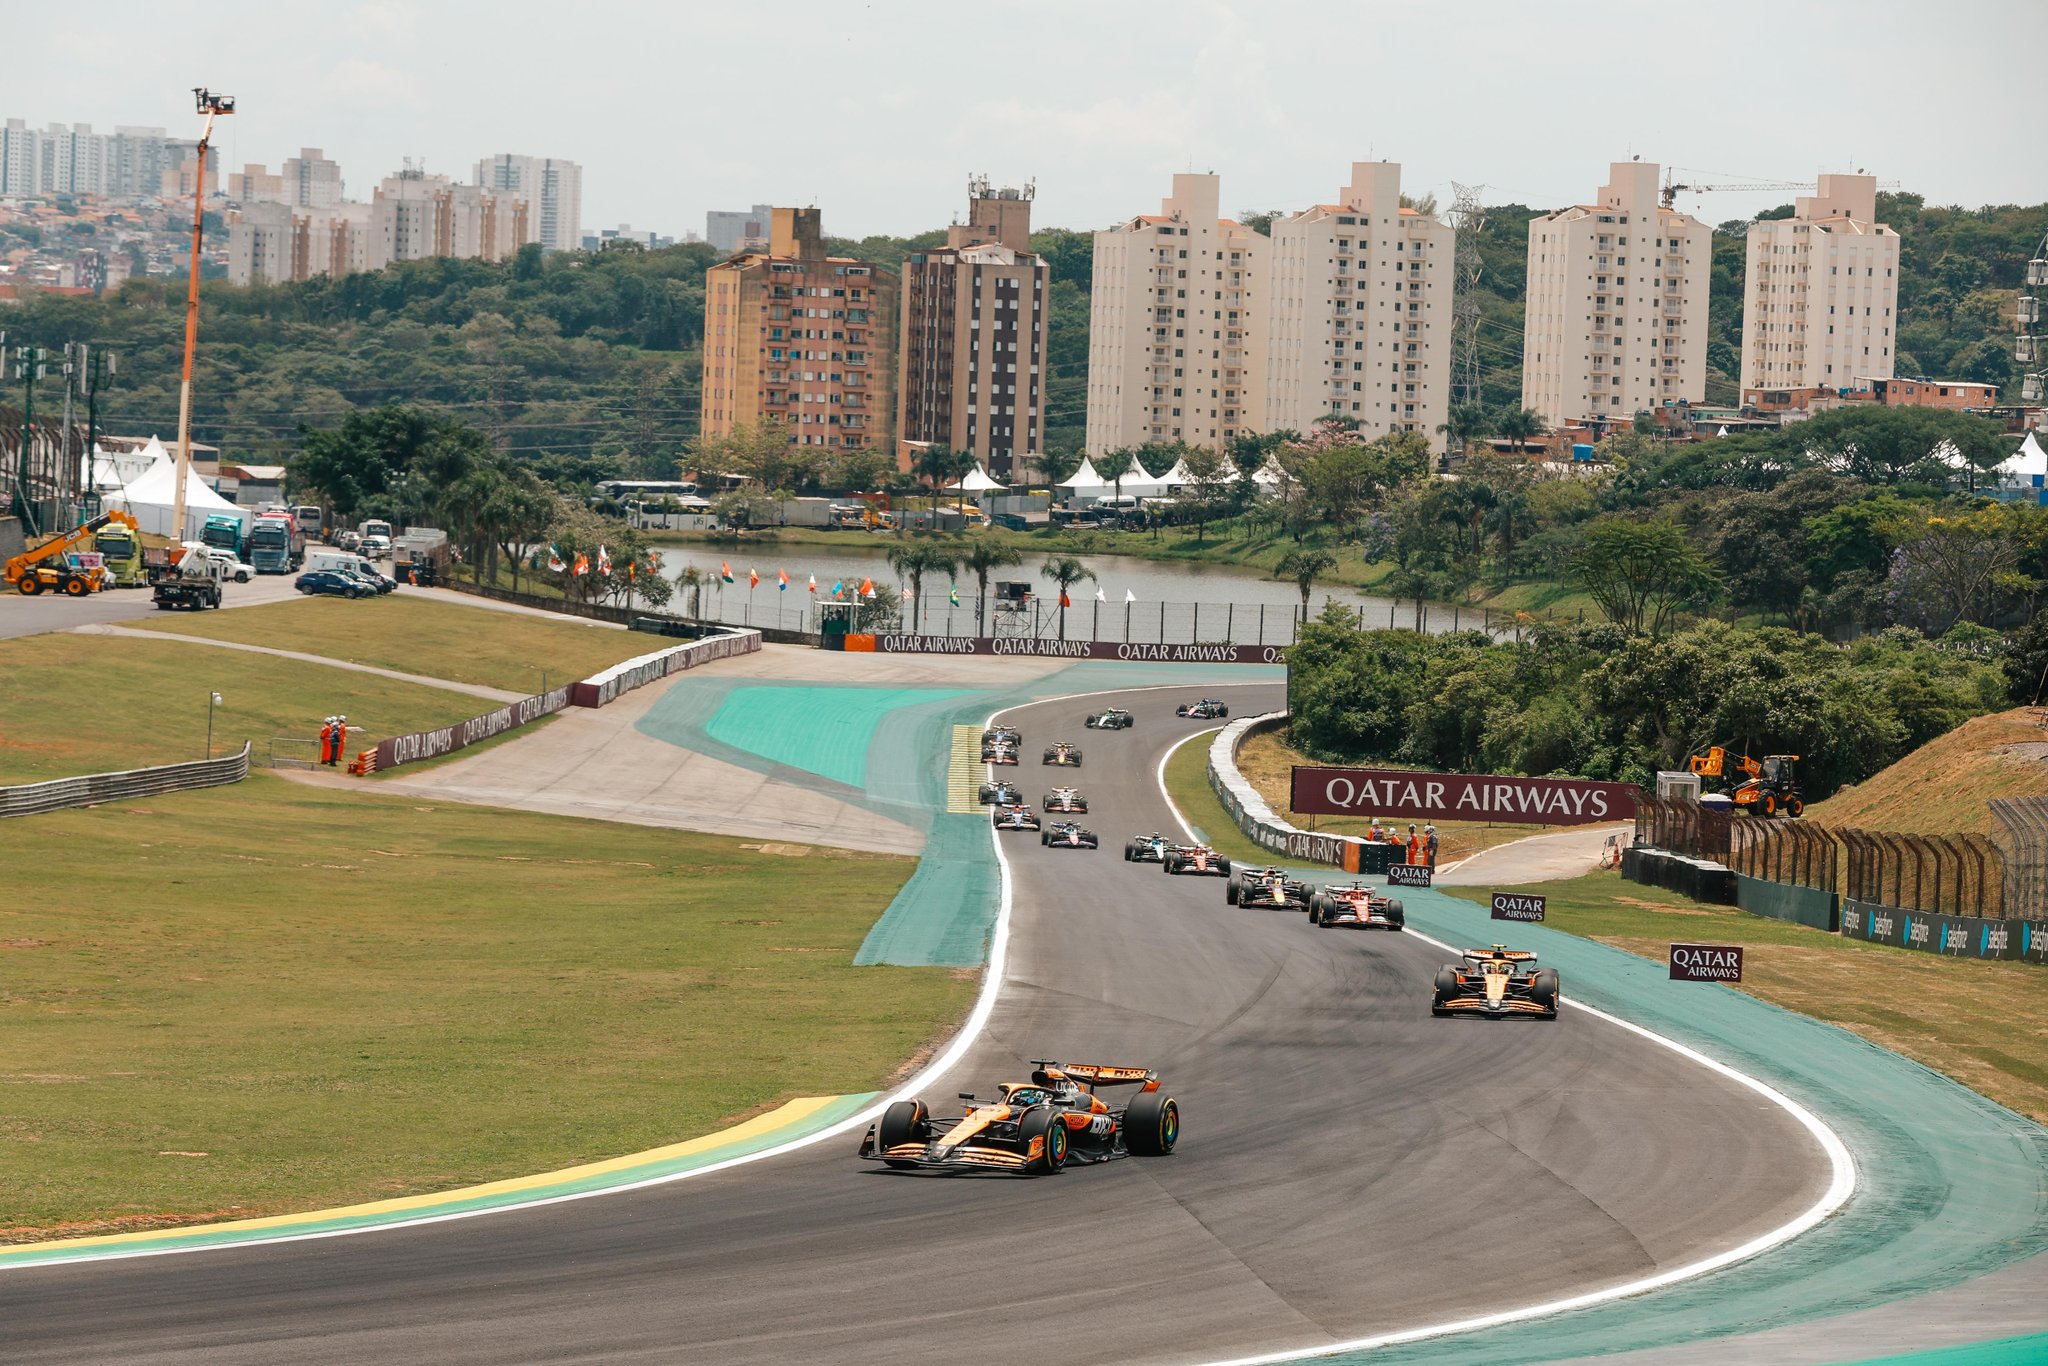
1468 216
2030 347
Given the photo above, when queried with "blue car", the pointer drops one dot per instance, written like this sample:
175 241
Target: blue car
328 581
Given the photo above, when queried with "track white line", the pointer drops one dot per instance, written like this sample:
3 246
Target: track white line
1840 1187
970 1033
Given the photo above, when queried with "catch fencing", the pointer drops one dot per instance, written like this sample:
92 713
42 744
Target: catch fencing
1962 874
91 789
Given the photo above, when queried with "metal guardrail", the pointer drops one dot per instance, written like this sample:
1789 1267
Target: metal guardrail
90 789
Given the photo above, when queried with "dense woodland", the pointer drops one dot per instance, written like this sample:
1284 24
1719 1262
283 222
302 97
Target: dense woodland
589 364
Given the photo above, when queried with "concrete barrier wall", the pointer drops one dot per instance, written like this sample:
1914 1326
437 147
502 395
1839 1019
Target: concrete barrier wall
1699 879
90 789
1788 901
1252 813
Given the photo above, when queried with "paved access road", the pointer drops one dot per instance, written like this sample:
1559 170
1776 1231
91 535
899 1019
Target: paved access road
1348 1165
20 616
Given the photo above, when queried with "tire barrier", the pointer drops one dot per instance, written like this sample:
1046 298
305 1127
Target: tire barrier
1700 879
595 691
91 789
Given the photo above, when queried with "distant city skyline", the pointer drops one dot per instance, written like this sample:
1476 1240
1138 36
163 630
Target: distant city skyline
1099 104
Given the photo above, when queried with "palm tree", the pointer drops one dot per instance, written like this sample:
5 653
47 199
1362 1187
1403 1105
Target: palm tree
691 581
1114 465
1066 571
1519 425
985 553
1304 567
940 464
916 560
1467 424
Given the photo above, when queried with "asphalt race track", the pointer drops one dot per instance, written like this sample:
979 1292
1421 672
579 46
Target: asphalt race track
1348 1165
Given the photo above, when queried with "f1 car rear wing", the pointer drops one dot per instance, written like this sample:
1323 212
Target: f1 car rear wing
1093 1074
1499 954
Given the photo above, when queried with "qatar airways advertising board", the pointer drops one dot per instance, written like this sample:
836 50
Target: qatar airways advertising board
1406 794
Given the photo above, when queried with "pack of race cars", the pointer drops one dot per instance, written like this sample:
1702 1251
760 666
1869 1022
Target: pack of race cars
1039 1127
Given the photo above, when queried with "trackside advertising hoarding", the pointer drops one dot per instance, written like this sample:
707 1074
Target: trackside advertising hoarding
1407 794
1706 962
859 643
1958 936
1517 906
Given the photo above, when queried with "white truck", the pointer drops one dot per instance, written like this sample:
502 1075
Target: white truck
192 583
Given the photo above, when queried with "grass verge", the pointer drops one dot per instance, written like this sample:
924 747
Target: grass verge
89 704
1944 786
273 997
1953 1015
413 634
1187 782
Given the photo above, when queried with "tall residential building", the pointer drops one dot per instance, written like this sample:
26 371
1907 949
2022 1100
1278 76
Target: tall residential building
801 338
731 230
974 337
1170 324
1616 319
21 163
254 184
60 159
1820 294
552 189
412 216
1353 313
311 181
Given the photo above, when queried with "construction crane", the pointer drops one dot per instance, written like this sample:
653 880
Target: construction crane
1672 186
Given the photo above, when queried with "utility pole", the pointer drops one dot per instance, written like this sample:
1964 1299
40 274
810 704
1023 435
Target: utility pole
28 362
210 105
67 471
99 367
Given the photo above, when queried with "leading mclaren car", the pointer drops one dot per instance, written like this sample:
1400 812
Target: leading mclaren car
1496 981
1033 1128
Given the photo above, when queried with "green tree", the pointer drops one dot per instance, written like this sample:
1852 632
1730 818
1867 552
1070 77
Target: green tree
917 559
1641 571
983 554
939 464
760 451
1304 567
1467 422
1066 571
1519 425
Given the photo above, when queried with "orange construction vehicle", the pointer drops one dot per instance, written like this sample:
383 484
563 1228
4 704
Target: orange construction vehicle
1769 785
53 566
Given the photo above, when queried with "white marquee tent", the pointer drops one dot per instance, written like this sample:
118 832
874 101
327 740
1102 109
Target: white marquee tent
977 481
2028 464
150 497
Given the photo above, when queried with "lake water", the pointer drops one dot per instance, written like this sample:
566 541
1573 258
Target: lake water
1169 602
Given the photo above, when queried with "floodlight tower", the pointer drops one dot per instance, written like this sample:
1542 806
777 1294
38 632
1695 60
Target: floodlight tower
211 105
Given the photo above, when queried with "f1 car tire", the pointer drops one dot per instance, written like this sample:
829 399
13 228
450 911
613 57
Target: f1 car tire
1446 987
1169 865
1044 837
1230 890
1543 988
1397 916
1130 852
1152 1124
1046 1123
903 1122
1317 903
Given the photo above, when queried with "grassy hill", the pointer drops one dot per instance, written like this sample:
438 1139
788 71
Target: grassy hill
1944 785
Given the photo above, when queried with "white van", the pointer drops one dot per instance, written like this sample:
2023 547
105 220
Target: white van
340 560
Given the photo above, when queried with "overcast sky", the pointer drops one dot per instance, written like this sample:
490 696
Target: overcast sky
878 112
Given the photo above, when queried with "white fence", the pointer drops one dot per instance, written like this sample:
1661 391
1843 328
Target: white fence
1254 814
91 789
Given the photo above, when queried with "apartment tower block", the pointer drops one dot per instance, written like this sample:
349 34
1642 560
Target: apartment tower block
1616 318
803 339
1820 293
973 331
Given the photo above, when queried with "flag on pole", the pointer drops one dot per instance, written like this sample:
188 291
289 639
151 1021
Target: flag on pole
725 570
782 576
953 595
1098 595
582 564
555 564
1065 601
604 560
906 595
838 587
1129 596
753 579
814 585
867 588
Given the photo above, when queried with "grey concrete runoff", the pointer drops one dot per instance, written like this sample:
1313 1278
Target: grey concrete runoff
1536 858
1333 1137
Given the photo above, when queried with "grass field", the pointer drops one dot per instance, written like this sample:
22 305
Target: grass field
273 996
87 704
1943 786
1956 1016
1267 763
413 634
1187 781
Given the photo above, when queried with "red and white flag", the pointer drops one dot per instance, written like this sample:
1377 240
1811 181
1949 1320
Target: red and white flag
753 578
604 560
582 564
813 589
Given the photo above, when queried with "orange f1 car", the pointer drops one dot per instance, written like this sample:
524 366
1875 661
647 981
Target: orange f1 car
1496 981
1033 1128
